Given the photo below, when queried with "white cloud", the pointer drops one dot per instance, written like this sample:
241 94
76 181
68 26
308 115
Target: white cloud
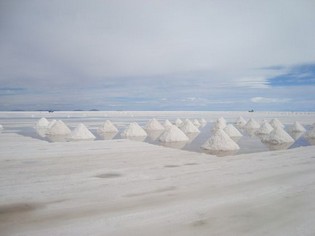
132 38
160 49
269 100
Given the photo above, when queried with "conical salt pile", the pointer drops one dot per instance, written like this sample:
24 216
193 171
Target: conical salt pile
59 128
232 131
276 123
107 127
173 134
220 141
178 122
134 130
240 121
167 124
154 124
252 124
82 133
196 123
188 127
297 127
42 123
265 128
279 136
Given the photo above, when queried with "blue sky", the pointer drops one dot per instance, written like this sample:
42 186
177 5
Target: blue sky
157 55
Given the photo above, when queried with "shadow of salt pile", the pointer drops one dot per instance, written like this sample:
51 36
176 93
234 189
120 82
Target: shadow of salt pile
296 135
31 133
192 137
236 139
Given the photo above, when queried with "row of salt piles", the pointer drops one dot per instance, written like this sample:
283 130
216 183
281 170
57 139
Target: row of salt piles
178 122
171 133
59 128
274 130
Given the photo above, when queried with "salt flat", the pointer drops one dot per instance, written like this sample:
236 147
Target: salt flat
122 187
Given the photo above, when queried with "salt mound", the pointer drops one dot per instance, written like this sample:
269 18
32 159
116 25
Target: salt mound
178 122
232 131
173 134
154 124
167 124
196 123
1 127
220 141
252 124
297 127
107 127
240 121
134 130
189 127
81 133
59 128
265 128
276 123
42 123
279 136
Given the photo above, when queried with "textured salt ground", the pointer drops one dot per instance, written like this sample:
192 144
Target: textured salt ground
120 187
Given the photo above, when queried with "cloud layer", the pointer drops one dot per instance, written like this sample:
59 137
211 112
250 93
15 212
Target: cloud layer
219 50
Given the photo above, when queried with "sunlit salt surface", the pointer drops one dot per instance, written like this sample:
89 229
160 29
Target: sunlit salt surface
249 142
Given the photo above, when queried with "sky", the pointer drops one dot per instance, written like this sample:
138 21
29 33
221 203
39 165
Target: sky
157 55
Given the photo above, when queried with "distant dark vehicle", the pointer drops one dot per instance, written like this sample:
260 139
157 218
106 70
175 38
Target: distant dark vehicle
50 111
251 110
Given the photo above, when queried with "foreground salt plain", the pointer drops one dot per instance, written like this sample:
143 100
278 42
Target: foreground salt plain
122 187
